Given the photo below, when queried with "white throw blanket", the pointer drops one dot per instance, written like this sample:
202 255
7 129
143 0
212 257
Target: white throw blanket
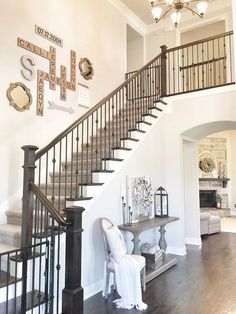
128 283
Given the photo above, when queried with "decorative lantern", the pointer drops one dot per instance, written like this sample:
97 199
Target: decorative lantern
161 203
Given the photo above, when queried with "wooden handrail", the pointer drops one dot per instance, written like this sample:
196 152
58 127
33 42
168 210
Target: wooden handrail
41 152
54 213
197 42
156 66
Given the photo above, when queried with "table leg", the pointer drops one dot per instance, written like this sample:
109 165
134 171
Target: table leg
162 241
136 241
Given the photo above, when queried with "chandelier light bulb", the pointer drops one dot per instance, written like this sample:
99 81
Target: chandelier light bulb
175 17
156 12
202 6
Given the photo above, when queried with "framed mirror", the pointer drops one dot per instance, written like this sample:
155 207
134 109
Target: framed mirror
19 96
86 68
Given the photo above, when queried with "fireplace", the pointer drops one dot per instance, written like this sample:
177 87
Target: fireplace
208 198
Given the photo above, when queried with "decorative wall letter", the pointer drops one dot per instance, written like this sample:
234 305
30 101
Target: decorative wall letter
28 63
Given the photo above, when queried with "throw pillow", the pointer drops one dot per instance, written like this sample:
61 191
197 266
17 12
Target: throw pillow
116 243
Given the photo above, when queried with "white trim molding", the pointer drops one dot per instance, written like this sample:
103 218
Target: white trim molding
132 19
176 250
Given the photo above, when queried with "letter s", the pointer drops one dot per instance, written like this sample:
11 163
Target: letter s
28 63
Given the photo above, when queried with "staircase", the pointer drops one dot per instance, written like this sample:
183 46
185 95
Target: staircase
76 164
105 156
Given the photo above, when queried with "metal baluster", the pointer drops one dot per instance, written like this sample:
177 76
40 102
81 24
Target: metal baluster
46 277
107 140
7 283
71 165
82 159
58 267
87 152
230 58
53 175
96 144
182 55
214 63
203 81
92 148
207 67
77 182
66 169
15 282
218 40
224 62
101 128
59 187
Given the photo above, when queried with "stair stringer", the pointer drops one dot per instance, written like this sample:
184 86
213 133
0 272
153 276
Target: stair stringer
106 178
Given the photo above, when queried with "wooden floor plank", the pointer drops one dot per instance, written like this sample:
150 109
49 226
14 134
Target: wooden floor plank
203 282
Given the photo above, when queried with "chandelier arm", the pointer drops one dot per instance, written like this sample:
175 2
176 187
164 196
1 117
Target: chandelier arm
194 12
165 13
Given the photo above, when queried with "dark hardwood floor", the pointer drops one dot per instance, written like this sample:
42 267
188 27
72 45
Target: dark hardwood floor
203 282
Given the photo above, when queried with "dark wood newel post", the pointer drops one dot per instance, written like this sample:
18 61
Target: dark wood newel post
72 294
163 71
28 201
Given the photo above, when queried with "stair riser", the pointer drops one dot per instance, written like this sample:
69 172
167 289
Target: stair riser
68 178
102 154
14 219
108 165
87 191
10 239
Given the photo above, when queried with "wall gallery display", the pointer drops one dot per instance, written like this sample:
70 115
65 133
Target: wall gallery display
29 73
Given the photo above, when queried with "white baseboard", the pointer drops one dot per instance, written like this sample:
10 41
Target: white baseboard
193 241
93 289
176 250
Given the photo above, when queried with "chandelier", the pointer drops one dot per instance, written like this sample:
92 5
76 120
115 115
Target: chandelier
161 9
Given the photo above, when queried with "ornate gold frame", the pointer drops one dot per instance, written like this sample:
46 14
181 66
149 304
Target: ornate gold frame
12 100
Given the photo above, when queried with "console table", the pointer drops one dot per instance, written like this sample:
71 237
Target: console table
139 227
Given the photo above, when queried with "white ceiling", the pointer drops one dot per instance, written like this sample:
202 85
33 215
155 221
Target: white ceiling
142 8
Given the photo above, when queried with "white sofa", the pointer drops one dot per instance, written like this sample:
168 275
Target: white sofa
209 224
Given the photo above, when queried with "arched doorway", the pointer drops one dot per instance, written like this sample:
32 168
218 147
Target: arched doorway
191 173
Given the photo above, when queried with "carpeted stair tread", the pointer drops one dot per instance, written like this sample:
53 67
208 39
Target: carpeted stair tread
6 248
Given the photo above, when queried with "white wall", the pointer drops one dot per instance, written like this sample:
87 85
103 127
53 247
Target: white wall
154 40
203 32
191 193
135 54
94 29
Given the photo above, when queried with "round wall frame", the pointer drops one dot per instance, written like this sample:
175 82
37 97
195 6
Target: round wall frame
86 68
